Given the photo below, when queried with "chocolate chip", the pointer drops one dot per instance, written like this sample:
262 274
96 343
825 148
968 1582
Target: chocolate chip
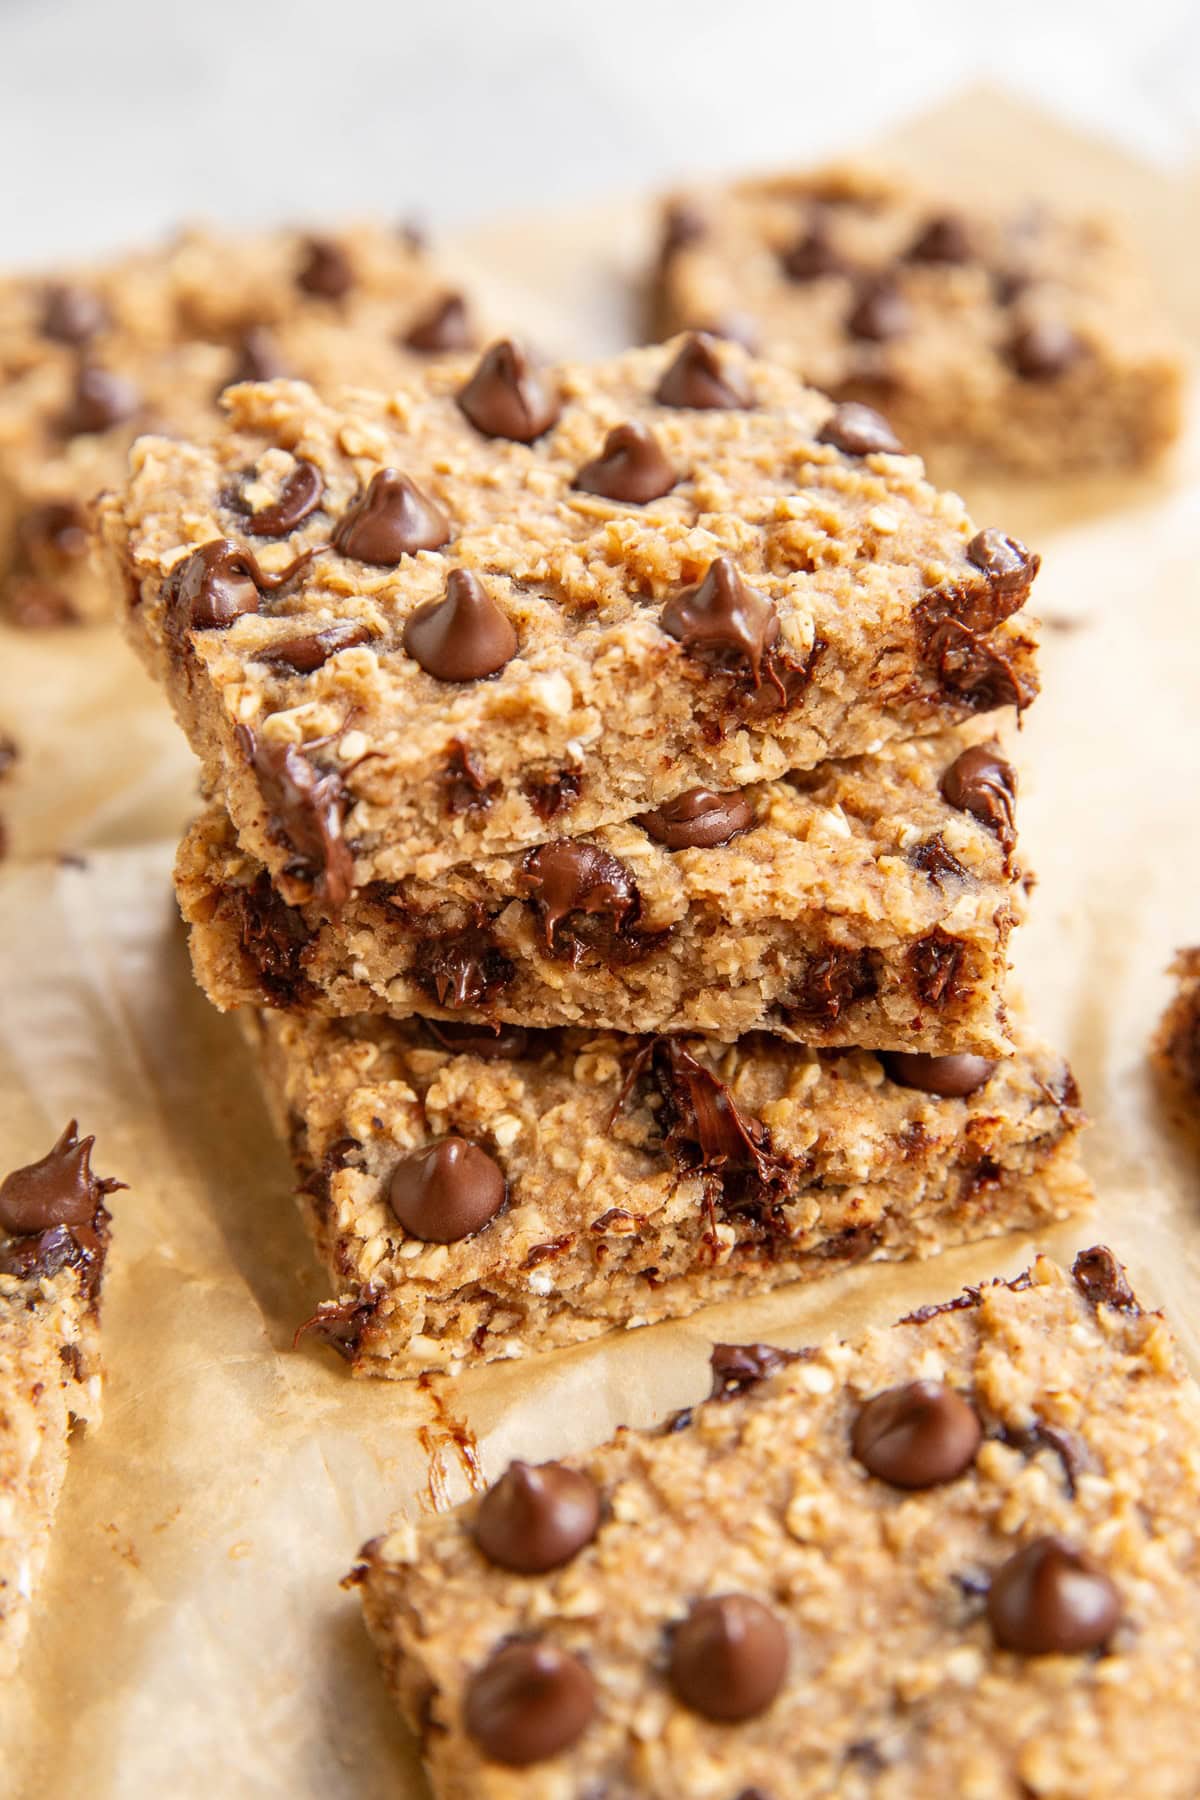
981 783
1052 1600
464 636
442 327
831 981
528 1702
212 587
812 255
461 968
1101 1279
701 819
1043 351
951 1077
56 531
273 937
58 1189
393 519
736 1368
971 672
859 431
936 963
632 467
698 378
72 315
307 807
935 860
258 357
728 1658
1008 565
917 1436
313 649
326 271
536 1519
944 239
299 496
880 313
498 1043
570 876
724 615
464 781
341 1324
553 793
506 398
100 400
446 1191
703 1126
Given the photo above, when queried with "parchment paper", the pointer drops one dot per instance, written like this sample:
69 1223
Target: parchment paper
191 1636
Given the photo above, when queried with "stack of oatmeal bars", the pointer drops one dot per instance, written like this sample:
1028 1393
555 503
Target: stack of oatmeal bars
606 843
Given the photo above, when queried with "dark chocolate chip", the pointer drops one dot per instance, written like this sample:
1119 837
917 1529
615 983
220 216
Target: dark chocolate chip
951 1077
461 968
917 1436
299 496
944 239
1008 565
880 313
736 1368
307 807
506 398
724 615
326 272
936 964
813 255
72 315
341 1324
312 649
58 1189
258 357
446 1191
56 531
571 876
728 1658
99 401
442 327
393 519
831 981
529 1702
464 781
703 1126
212 587
500 1043
632 467
273 937
859 431
1052 1600
1044 350
981 783
934 860
464 636
536 1519
553 793
700 378
1101 1279
701 819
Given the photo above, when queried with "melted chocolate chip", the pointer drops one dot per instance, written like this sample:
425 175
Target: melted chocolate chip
43 1254
529 1702
934 860
703 1126
970 671
1043 351
211 588
632 467
446 1191
728 1658
699 820
312 649
258 357
307 807
724 615
1052 1600
859 431
1008 565
736 1368
499 1043
325 272
569 876
58 1189
880 313
951 1077
99 401
944 239
273 937
1101 1279
72 315
464 636
936 962
393 519
554 793
506 398
917 1436
461 968
699 378
442 327
813 255
981 783
832 981
536 1519
341 1324
300 496
464 781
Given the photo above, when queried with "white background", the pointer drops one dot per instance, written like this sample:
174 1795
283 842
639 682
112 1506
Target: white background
118 118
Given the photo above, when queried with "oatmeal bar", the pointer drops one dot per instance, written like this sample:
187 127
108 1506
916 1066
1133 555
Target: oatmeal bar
957 1558
477 1196
1028 341
1177 1046
53 1239
866 903
503 606
90 357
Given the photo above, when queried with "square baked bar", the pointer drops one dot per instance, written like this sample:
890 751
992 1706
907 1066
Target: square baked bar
501 606
1027 340
957 1558
866 903
476 1197
91 356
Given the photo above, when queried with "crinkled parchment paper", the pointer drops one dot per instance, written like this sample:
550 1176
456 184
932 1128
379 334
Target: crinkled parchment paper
191 1637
